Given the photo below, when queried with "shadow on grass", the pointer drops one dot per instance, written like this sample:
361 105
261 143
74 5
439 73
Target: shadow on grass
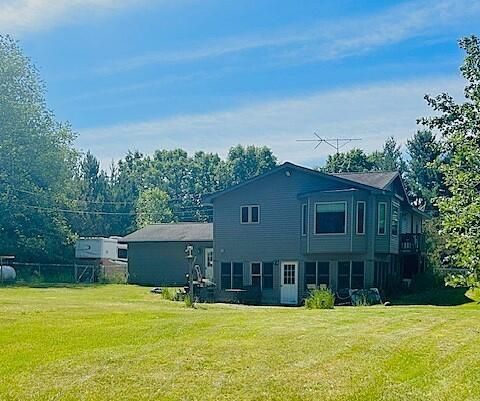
446 296
74 286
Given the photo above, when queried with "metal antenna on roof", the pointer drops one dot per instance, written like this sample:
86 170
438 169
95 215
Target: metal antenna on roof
335 143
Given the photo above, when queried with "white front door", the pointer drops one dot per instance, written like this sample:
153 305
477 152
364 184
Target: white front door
289 283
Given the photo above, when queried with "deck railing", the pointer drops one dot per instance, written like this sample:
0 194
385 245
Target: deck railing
412 243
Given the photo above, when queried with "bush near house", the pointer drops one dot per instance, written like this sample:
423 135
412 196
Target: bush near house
320 299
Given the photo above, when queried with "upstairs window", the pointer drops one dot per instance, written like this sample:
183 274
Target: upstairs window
382 218
304 219
361 217
331 218
395 219
250 214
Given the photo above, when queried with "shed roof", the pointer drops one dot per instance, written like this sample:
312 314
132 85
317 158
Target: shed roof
172 232
376 179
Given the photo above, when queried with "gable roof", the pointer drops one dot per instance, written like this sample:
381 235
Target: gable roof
172 232
376 179
210 197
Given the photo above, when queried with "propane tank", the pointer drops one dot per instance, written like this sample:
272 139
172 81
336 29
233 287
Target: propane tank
7 274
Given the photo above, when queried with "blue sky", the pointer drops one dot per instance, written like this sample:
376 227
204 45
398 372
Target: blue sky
209 74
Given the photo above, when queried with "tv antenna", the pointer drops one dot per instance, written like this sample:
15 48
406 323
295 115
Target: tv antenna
335 143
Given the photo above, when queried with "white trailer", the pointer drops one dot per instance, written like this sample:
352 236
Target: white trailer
100 248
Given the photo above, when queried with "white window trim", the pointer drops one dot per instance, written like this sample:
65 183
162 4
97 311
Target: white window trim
397 205
315 219
378 219
364 217
304 210
250 214
207 250
261 274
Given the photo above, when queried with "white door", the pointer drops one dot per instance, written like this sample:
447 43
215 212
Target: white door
289 283
209 263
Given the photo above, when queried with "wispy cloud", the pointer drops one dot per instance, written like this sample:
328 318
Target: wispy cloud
19 16
327 39
368 112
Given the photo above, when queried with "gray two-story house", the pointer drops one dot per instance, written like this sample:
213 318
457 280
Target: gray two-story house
294 229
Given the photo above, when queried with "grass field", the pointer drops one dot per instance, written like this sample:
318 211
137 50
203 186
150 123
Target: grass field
122 343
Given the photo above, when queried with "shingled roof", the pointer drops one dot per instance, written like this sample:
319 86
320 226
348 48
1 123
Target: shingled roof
172 232
376 179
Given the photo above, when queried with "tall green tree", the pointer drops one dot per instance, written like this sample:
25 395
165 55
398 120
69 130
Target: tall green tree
459 125
37 162
353 161
389 158
153 207
423 176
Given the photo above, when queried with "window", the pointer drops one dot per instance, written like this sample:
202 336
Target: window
267 268
256 272
250 214
395 219
122 253
343 275
358 275
304 219
208 257
382 221
330 218
317 274
361 217
231 275
351 274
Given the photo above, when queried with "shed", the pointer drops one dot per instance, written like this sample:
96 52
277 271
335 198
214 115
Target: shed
156 253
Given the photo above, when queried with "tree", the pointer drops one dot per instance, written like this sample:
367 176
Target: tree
459 125
423 176
353 161
153 207
389 158
247 162
37 163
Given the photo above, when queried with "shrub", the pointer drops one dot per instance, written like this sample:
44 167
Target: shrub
365 297
189 301
320 299
168 294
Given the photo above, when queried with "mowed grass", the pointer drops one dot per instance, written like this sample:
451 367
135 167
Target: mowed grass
122 343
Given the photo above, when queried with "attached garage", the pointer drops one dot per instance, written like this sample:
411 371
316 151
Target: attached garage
156 253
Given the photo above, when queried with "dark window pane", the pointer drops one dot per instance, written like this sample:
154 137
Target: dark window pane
395 220
267 282
323 268
256 280
237 281
267 268
237 268
226 268
244 214
122 253
304 219
310 268
256 268
267 275
382 218
358 269
330 218
255 214
226 282
343 275
360 217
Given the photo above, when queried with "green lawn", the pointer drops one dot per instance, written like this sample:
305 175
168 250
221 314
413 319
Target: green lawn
122 343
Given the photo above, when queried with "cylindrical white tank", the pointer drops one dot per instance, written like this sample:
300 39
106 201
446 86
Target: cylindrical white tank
7 274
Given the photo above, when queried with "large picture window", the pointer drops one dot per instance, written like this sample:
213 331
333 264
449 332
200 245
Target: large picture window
330 218
382 218
231 275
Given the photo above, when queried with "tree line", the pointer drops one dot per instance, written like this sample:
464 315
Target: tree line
50 192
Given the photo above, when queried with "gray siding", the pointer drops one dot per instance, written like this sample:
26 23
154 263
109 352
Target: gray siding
162 263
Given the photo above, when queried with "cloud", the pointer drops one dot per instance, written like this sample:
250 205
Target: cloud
19 16
325 40
371 112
